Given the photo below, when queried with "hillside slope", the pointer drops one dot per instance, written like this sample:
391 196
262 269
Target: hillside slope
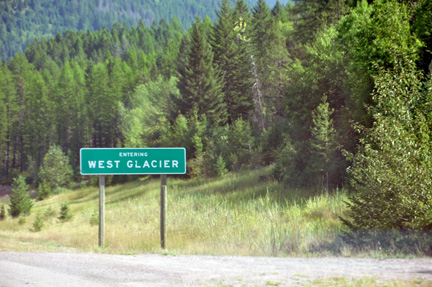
25 20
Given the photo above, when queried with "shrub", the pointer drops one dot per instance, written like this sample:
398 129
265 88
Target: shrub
64 213
390 174
49 214
56 169
2 212
94 219
38 223
44 190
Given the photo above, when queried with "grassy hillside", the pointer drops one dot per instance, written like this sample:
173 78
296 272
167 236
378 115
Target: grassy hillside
237 214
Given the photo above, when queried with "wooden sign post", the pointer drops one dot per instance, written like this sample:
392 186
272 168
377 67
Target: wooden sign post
112 161
101 210
163 210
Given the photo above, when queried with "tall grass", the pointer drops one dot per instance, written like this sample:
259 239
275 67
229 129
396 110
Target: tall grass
237 214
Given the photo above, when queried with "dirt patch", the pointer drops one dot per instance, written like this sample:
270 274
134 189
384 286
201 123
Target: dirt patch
5 191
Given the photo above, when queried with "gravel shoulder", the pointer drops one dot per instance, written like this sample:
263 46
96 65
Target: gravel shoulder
75 269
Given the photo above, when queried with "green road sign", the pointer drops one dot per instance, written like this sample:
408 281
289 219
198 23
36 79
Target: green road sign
103 161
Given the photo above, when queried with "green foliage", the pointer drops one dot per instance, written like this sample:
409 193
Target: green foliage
20 201
55 169
44 190
422 27
94 219
233 61
199 83
241 144
390 175
38 223
322 144
145 124
23 22
65 212
219 168
22 220
49 214
2 212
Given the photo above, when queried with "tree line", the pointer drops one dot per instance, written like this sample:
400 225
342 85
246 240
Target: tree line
331 93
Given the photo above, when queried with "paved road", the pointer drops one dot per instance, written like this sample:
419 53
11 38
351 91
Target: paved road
72 269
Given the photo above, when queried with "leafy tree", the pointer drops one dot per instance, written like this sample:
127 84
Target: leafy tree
20 201
55 169
144 124
421 26
390 175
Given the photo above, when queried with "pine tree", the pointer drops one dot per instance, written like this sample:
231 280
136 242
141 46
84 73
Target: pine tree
233 61
322 143
270 56
20 201
10 117
199 84
103 107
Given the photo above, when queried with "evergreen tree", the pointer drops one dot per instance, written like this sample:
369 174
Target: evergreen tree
10 118
103 107
20 201
199 83
322 143
270 57
233 61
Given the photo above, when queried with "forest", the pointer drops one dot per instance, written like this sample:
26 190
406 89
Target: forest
331 94
22 21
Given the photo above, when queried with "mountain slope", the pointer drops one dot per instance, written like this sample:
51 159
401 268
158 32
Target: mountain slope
22 21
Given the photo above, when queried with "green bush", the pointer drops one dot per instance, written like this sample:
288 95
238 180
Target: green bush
44 190
64 213
390 179
38 223
94 219
2 212
55 169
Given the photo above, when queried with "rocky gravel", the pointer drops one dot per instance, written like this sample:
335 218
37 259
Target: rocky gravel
78 269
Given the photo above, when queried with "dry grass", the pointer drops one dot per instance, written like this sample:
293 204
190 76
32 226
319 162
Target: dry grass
236 214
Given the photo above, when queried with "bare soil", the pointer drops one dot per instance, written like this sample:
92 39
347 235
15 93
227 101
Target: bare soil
5 191
73 269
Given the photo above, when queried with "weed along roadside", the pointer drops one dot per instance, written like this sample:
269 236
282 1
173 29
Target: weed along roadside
124 161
